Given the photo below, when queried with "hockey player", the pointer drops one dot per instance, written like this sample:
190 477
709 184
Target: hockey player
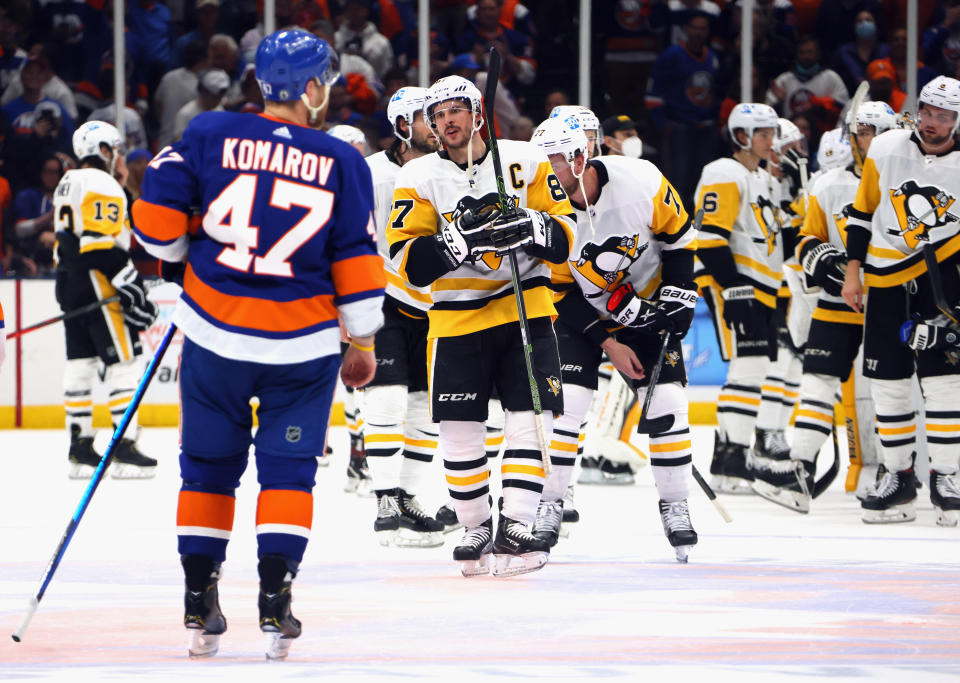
905 204
286 246
93 263
740 252
446 232
835 331
587 121
632 262
396 404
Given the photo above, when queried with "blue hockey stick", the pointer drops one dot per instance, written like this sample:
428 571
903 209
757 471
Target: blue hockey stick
94 482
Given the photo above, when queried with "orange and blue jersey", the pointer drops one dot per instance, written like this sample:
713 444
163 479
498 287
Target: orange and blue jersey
285 242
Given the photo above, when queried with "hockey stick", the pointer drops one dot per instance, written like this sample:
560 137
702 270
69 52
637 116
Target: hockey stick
661 424
493 76
858 97
66 316
94 483
705 487
936 282
824 482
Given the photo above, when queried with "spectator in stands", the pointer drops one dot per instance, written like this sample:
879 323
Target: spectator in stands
349 63
522 129
836 20
148 27
851 59
683 103
673 17
137 161
513 15
811 136
898 60
12 56
284 18
883 84
809 84
555 98
620 137
211 89
207 14
941 43
77 33
134 133
516 49
223 54
359 36
340 109
177 87
33 216
252 100
53 86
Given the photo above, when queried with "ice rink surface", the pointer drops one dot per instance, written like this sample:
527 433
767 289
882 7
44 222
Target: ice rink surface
774 596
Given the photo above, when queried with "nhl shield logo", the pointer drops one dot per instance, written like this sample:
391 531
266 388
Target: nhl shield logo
293 434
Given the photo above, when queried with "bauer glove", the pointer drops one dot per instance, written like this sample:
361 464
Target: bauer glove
138 311
826 266
741 311
627 308
521 228
930 335
676 304
466 237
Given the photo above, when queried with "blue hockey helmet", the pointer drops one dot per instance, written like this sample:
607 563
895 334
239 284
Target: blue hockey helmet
287 60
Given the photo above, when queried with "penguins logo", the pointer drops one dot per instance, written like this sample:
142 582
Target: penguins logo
919 210
768 218
605 264
672 358
554 385
840 219
480 206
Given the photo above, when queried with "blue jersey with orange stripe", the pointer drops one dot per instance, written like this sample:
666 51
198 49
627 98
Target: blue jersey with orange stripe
285 243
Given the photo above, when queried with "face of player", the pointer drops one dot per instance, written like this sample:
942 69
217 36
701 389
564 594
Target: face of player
935 124
761 144
423 139
865 135
592 146
565 171
453 122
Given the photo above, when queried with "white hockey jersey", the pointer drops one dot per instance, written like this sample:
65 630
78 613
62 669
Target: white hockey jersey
384 172
907 199
90 205
433 190
740 210
637 216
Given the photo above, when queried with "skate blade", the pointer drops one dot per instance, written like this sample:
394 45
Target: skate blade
736 486
363 489
617 480
387 538
470 568
894 515
590 476
792 500
278 646
451 528
947 517
514 565
78 471
682 552
125 471
203 644
407 538
323 461
564 530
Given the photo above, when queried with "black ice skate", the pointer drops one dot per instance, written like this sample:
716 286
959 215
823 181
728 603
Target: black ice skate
716 463
516 550
785 482
892 500
447 516
945 496
570 513
589 470
546 526
201 605
677 527
130 463
359 480
473 551
737 476
387 524
770 444
276 620
615 473
83 458
417 528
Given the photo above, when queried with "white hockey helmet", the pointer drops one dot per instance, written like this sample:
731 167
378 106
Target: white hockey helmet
561 136
585 117
405 103
349 134
750 116
453 88
787 133
834 150
943 92
89 137
876 114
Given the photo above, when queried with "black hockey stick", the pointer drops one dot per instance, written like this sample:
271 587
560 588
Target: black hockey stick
936 282
661 424
66 316
94 483
493 76
824 482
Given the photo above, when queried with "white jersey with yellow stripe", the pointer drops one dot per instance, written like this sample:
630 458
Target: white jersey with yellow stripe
906 199
740 210
384 172
432 191
636 217
90 205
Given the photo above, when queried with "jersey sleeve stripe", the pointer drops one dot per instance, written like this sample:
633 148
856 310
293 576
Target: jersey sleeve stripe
158 224
868 193
359 274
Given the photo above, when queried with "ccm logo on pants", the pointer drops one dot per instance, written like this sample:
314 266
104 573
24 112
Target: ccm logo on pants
457 397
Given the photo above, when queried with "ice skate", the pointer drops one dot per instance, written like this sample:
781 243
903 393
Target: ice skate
737 476
83 458
359 480
677 527
615 473
589 470
717 480
770 444
447 516
417 528
202 616
546 526
387 524
276 620
570 513
785 482
324 460
130 463
473 550
516 550
867 481
945 496
892 501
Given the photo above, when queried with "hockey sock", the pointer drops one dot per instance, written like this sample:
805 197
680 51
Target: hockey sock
78 379
588 444
942 421
385 408
284 518
204 523
773 394
494 440
420 442
815 415
353 418
739 398
122 380
896 421
522 475
670 452
791 389
466 469
565 443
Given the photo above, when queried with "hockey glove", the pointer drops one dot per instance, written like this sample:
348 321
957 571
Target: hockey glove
520 228
826 266
466 237
930 335
790 161
628 309
173 271
138 311
677 304
741 311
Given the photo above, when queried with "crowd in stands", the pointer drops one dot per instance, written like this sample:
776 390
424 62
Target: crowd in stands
667 71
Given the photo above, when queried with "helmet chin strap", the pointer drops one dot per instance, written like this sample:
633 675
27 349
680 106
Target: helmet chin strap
583 191
314 112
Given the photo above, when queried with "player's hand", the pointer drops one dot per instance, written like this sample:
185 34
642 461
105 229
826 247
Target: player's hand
524 227
677 304
627 308
623 358
826 266
741 310
929 335
465 237
138 311
359 365
852 291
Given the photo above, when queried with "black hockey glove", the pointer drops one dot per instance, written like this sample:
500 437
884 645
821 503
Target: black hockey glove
826 266
173 271
627 308
677 304
790 161
930 335
466 237
138 311
741 310
520 228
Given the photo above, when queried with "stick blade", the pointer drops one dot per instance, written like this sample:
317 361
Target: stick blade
657 425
